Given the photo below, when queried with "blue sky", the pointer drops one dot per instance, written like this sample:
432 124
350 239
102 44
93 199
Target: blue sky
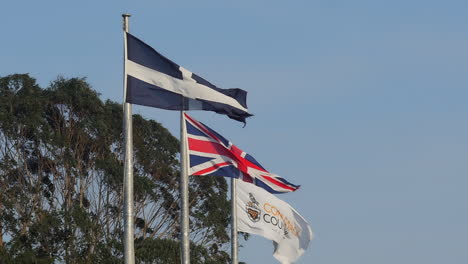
363 103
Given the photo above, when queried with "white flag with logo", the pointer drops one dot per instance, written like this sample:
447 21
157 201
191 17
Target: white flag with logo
260 212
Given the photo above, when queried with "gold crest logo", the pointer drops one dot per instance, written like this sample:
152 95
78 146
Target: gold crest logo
253 209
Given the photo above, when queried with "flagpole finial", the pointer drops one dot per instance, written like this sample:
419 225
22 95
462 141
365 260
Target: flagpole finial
125 17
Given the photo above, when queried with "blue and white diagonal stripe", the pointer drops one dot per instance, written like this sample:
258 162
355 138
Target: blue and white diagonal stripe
153 80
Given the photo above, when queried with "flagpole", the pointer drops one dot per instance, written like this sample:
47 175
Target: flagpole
184 193
234 244
129 251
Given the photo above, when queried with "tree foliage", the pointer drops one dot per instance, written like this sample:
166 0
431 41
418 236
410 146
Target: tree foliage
61 171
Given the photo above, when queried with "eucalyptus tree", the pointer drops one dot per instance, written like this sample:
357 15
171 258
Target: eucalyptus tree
61 171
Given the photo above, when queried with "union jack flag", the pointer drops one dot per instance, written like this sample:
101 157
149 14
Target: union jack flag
212 155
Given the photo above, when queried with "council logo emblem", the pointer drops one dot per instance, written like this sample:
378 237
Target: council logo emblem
253 209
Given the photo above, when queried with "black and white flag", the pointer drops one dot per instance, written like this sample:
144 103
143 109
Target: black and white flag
155 81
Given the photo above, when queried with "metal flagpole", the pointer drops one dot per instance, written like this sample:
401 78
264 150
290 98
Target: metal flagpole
184 194
234 244
129 251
